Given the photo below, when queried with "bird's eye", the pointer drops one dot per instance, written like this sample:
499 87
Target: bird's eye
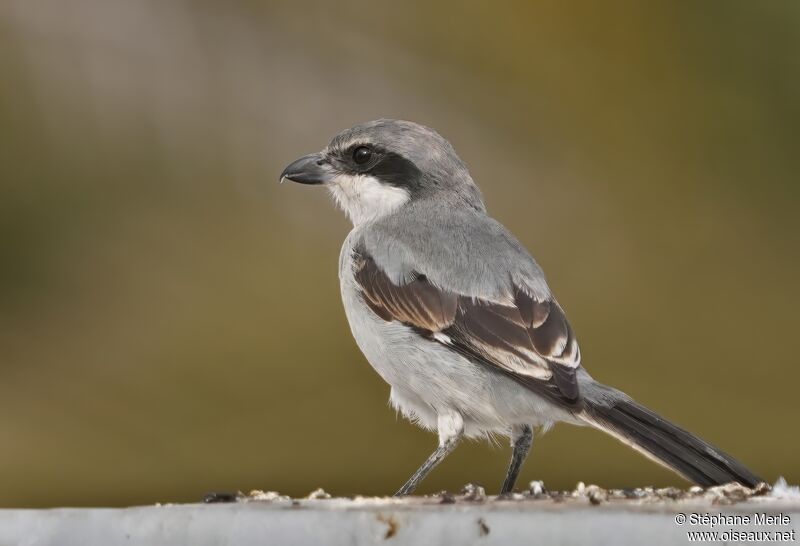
362 154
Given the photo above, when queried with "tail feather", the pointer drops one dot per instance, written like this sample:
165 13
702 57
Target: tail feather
669 444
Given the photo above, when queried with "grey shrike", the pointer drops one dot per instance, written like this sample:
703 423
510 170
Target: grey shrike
456 316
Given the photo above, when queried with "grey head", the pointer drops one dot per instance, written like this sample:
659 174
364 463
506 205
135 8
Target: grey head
377 167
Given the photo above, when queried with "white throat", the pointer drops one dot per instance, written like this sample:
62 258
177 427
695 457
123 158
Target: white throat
363 198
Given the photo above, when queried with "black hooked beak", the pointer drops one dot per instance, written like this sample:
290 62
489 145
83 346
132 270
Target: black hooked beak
309 169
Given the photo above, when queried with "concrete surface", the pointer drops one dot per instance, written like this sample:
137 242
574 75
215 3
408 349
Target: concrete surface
588 515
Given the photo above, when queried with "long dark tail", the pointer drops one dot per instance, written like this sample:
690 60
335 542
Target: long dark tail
617 414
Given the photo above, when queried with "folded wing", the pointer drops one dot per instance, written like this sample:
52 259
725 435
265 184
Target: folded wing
529 340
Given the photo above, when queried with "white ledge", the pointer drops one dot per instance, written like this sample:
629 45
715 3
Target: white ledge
580 517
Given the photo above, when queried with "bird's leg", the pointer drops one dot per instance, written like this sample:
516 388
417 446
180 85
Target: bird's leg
451 428
521 441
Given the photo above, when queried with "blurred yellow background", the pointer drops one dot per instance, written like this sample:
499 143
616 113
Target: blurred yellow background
170 321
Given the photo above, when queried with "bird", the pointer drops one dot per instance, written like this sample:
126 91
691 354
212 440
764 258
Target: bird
457 317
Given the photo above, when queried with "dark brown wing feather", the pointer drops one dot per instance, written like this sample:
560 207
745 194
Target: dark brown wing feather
530 341
417 303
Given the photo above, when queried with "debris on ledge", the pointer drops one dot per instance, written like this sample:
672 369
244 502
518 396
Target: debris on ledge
471 493
589 514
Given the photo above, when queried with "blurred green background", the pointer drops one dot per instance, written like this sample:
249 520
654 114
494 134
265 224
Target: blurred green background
170 321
